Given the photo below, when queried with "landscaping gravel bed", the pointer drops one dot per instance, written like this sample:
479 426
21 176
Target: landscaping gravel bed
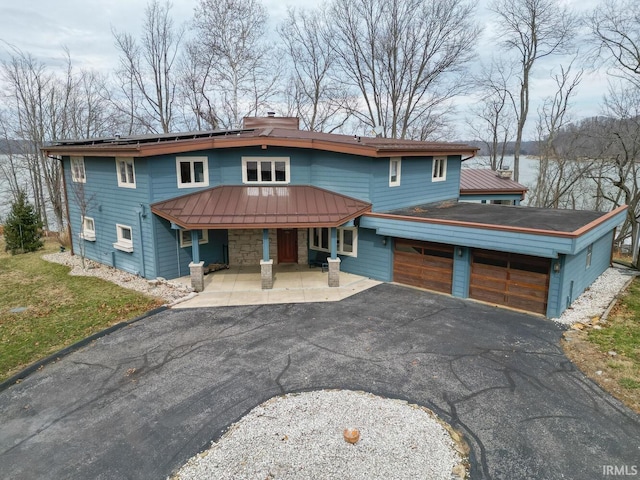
171 293
595 300
300 436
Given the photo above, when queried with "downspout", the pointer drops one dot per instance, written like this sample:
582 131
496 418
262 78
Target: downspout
66 199
142 215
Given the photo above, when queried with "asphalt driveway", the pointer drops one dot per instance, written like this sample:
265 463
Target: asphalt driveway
140 401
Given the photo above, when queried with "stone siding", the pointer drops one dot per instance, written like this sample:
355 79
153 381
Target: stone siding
245 246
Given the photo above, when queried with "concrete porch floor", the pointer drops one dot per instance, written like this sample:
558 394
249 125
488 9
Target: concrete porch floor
292 284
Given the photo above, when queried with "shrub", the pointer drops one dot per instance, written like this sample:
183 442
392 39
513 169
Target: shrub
22 228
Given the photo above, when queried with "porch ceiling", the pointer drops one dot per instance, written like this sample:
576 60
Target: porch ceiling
260 206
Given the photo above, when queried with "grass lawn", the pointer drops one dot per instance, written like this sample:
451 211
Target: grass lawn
60 309
590 349
622 335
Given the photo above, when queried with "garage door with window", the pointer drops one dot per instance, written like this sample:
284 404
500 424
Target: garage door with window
518 281
423 264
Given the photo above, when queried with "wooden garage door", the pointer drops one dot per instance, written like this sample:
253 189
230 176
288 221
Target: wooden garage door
518 281
423 264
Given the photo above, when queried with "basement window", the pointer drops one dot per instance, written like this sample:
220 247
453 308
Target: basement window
88 229
125 238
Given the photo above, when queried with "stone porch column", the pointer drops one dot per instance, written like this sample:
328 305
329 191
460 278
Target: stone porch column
197 276
266 274
334 272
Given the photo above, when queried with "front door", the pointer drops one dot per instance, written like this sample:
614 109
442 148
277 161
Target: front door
287 245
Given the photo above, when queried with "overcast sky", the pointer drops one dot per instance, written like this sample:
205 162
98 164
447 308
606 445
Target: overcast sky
44 27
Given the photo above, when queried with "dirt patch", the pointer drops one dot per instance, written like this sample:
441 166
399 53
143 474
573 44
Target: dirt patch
611 370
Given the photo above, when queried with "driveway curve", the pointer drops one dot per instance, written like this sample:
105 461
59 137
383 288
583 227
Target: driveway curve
139 402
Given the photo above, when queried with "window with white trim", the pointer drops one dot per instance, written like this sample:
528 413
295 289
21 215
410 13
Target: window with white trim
589 255
266 170
88 229
320 239
192 172
394 171
126 172
125 238
439 172
185 237
77 170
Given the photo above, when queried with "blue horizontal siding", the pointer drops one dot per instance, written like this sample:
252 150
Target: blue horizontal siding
461 272
527 244
576 276
374 259
173 261
416 186
109 205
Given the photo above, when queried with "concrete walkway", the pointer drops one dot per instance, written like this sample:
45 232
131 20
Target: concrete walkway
292 284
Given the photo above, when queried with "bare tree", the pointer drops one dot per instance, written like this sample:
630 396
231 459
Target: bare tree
315 94
34 93
196 74
84 202
241 73
562 167
619 141
494 115
404 58
533 29
615 26
148 69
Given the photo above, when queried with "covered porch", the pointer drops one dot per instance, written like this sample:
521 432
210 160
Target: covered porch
264 210
291 284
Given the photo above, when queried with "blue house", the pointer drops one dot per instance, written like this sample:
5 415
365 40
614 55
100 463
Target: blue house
172 205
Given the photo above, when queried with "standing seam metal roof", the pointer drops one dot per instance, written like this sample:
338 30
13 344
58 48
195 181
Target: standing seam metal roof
260 206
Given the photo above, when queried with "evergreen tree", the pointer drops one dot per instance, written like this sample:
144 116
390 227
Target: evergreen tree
23 227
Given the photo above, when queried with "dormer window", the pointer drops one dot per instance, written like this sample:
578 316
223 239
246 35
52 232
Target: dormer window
439 173
266 170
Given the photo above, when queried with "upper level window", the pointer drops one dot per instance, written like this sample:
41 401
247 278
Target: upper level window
439 169
88 229
394 171
186 241
192 172
77 170
126 172
589 255
125 238
319 239
265 170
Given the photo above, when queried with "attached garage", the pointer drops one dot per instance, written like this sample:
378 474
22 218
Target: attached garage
513 280
423 264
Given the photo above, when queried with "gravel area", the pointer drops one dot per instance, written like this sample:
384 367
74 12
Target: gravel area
170 292
595 300
300 436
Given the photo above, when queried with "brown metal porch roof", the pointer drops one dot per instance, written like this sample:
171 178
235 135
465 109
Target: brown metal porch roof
260 206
